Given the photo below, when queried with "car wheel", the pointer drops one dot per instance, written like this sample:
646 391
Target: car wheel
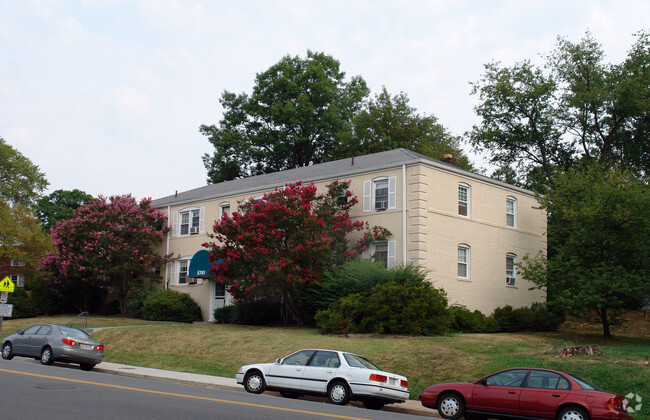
338 393
7 351
451 406
47 358
87 366
287 394
573 413
254 382
373 405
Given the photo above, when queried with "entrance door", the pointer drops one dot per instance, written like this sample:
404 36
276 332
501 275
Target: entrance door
218 292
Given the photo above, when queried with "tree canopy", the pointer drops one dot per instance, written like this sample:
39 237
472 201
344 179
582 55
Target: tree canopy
281 244
576 107
599 257
106 245
59 206
21 182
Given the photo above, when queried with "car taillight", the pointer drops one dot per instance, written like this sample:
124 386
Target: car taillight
617 404
100 347
378 378
69 341
404 383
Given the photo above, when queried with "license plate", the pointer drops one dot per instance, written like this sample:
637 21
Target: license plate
393 381
86 346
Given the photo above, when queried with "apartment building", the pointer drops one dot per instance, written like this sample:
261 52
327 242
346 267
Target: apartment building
467 230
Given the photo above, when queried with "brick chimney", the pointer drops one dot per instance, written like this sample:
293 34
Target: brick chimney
449 158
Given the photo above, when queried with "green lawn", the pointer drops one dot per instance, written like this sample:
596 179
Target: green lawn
221 349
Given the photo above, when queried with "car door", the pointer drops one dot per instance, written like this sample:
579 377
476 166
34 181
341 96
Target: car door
23 344
288 373
499 393
543 392
320 370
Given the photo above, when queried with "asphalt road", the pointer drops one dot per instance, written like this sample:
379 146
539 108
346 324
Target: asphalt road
30 390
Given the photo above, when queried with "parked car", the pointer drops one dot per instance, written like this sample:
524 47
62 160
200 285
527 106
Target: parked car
524 392
338 375
54 343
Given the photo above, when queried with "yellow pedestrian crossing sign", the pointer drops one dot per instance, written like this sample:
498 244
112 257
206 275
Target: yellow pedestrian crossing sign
6 285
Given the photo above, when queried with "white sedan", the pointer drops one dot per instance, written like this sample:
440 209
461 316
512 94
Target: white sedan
338 375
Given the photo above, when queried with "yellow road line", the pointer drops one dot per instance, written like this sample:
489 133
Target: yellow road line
128 388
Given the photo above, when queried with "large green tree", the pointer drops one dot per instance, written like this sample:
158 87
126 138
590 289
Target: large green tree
59 206
576 107
599 257
21 182
388 122
293 117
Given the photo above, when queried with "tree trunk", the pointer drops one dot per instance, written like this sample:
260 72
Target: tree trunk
602 313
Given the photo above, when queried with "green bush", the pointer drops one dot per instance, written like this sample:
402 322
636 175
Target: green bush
415 308
257 312
135 301
170 305
465 321
23 305
535 318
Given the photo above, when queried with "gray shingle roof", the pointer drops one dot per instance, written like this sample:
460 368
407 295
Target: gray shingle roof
322 171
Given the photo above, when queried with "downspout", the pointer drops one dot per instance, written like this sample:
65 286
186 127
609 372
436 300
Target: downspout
403 214
169 209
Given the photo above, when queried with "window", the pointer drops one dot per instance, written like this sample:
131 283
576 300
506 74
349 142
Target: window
511 275
380 194
299 358
219 291
181 271
383 251
513 377
546 380
188 221
224 209
511 212
327 359
342 199
463 199
18 279
463 261
17 263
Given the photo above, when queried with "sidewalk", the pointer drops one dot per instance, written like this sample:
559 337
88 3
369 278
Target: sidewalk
217 382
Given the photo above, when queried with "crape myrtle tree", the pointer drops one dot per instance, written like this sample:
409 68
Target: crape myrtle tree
281 244
599 257
106 246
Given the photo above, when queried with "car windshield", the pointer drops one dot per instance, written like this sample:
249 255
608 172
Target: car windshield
359 361
74 333
586 385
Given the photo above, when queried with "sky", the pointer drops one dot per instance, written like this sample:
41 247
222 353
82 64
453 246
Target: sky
107 96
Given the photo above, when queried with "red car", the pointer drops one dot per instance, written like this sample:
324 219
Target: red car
526 393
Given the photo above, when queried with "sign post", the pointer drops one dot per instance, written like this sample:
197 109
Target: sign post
6 286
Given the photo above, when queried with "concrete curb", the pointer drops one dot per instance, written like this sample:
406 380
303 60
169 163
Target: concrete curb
208 381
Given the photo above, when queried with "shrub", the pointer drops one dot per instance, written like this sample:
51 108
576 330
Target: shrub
466 321
258 312
535 318
23 305
389 308
135 301
170 305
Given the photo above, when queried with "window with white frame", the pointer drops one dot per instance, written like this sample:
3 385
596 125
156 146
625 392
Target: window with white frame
463 199
463 261
179 271
18 279
188 221
382 251
15 262
511 212
511 274
342 199
224 209
380 194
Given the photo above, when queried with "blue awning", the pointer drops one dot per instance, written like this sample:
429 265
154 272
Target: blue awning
200 264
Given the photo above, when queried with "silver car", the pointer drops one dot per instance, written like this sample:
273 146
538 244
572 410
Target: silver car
54 343
339 375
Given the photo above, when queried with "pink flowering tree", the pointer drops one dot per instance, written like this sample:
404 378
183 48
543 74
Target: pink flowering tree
281 244
106 246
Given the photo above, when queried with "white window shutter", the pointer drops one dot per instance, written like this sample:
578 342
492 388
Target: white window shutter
392 192
175 224
367 191
173 279
392 247
201 219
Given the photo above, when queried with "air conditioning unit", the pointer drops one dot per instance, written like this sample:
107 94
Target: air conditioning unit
194 230
381 205
192 280
510 281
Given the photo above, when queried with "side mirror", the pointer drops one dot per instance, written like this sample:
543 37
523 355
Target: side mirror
278 361
19 332
483 382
